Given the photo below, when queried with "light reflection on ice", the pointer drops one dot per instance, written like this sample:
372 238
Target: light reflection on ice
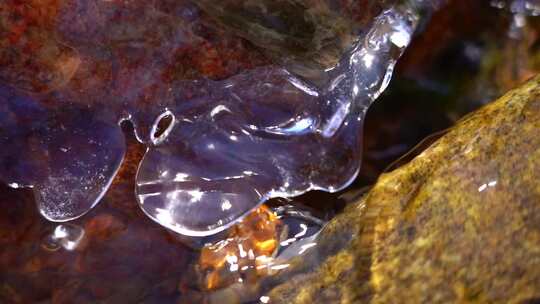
230 145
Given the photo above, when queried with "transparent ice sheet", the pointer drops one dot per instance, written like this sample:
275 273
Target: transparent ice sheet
230 144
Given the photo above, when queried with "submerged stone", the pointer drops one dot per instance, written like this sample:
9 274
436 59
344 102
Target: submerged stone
458 223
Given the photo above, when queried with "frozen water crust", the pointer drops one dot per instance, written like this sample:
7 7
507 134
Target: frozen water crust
215 149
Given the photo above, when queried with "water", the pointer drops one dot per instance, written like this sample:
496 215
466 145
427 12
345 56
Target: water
117 254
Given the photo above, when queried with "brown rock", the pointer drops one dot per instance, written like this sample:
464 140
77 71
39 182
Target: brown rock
459 223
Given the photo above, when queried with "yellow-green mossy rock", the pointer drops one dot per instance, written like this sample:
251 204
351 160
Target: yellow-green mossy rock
460 223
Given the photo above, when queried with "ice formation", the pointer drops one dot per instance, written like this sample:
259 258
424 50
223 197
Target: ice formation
229 145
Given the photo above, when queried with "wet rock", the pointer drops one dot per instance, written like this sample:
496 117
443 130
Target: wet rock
459 223
90 51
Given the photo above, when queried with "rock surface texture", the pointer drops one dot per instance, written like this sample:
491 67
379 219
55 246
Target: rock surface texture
459 223
308 36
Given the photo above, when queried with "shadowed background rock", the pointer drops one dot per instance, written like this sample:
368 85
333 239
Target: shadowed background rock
308 36
459 223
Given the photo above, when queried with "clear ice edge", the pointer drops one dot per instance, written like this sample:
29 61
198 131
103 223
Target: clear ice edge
230 145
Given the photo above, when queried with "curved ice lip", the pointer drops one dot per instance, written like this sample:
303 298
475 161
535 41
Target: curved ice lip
232 145
229 161
265 134
68 158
